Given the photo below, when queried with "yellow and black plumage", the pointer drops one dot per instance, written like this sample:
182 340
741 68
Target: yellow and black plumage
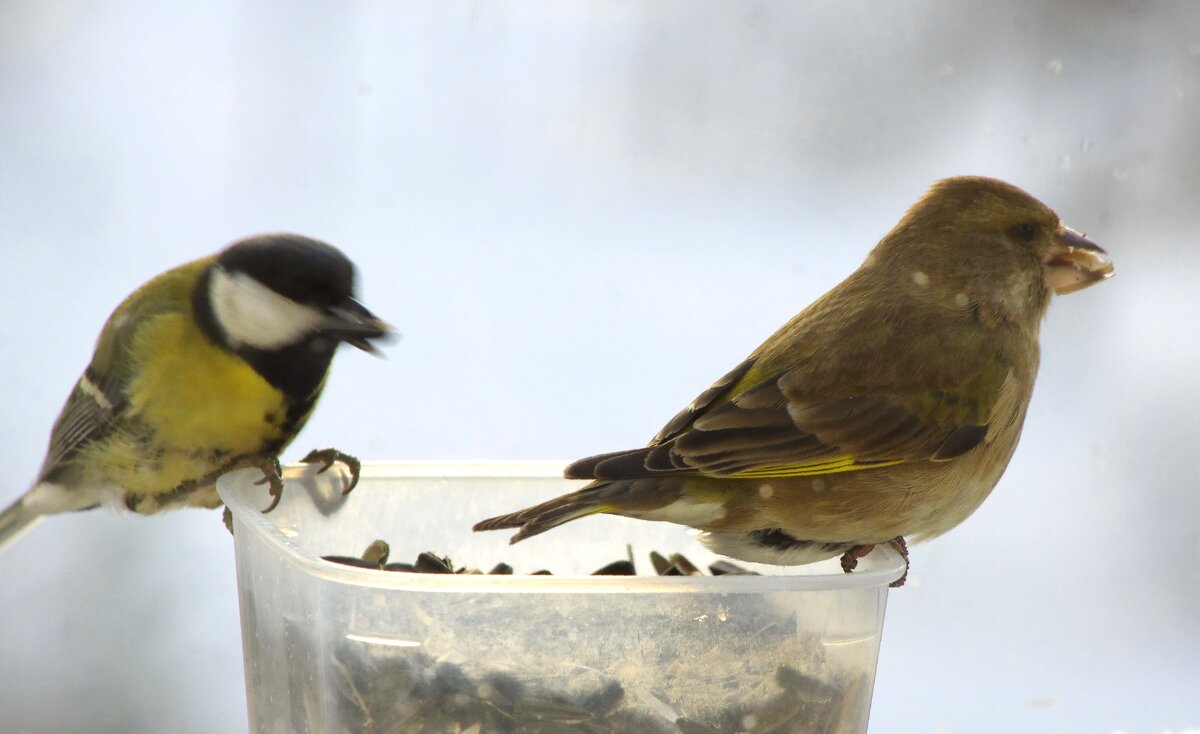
211 366
887 409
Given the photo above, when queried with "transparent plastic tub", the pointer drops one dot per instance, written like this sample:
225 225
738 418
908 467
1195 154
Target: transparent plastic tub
335 649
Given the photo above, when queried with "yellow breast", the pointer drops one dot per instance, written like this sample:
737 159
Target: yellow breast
194 395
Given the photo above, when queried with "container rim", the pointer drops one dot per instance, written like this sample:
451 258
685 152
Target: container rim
878 569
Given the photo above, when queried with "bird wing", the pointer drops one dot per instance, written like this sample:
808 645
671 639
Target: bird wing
90 412
98 402
751 425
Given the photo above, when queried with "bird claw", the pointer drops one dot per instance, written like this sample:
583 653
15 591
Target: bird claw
850 558
327 457
901 548
273 478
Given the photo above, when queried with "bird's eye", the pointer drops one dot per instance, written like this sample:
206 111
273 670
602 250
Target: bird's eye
1023 232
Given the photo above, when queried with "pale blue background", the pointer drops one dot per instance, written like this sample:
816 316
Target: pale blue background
580 214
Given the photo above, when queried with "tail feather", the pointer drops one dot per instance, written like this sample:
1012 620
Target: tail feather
15 520
540 518
45 498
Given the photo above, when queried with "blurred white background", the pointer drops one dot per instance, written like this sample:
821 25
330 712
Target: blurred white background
579 215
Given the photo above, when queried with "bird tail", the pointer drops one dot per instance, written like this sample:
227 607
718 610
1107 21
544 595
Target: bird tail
16 519
540 518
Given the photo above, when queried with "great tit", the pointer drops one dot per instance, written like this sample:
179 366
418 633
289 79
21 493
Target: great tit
212 366
887 409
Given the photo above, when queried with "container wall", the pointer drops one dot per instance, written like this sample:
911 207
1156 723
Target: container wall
338 652
587 662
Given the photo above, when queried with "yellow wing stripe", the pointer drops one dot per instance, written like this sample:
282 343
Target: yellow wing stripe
833 466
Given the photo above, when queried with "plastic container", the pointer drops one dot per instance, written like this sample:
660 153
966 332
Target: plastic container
333 649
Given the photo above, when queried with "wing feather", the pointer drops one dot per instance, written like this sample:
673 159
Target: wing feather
98 402
773 429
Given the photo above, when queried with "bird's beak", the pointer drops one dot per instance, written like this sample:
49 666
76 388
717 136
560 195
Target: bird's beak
352 323
1075 263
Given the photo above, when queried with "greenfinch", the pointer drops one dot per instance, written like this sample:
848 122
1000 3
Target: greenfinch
214 365
888 409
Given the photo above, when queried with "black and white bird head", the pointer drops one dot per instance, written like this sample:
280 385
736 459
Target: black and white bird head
278 299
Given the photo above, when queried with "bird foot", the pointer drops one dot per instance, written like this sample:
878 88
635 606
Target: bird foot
850 557
273 478
327 457
901 548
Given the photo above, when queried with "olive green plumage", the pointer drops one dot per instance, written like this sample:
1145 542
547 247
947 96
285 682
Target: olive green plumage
888 408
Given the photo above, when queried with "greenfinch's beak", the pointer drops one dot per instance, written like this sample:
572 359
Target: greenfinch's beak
1075 263
352 323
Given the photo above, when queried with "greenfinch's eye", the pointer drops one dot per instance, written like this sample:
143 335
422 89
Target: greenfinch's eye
1023 232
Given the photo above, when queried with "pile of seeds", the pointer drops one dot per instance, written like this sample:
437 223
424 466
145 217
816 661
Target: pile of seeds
707 664
377 553
416 694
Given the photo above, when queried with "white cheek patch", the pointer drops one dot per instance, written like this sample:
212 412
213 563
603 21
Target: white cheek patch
251 314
